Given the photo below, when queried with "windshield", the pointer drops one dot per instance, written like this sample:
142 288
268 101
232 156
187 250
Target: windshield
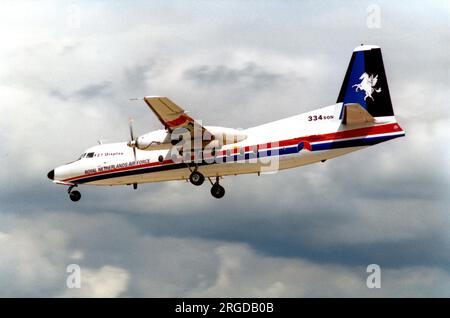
86 155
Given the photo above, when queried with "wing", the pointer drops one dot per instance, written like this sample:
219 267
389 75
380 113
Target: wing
174 117
171 115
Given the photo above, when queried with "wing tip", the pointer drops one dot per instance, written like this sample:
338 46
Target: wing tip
153 96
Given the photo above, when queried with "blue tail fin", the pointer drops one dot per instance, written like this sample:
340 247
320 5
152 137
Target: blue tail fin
365 82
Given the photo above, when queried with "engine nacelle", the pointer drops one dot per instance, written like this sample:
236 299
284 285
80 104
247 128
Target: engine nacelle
161 139
158 139
226 136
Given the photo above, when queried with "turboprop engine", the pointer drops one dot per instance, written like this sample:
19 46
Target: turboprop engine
155 140
161 139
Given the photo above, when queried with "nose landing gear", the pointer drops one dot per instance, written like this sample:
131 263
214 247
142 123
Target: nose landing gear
74 195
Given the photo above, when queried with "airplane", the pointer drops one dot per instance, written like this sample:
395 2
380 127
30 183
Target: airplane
186 150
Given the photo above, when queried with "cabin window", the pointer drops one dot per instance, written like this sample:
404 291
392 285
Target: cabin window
90 155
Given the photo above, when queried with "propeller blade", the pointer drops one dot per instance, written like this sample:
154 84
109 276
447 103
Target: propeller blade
132 142
130 124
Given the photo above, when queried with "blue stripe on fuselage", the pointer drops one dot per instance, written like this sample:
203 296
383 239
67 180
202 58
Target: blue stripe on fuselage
367 141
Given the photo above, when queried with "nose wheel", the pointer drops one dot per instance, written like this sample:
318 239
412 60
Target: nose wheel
74 195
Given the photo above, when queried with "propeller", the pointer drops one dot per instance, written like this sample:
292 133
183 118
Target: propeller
132 142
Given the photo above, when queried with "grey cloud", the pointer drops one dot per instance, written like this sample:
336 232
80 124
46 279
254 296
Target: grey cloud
59 94
70 48
88 92
136 75
94 90
292 235
167 266
249 75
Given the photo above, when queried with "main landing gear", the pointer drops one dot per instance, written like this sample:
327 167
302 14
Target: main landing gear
74 195
217 190
197 179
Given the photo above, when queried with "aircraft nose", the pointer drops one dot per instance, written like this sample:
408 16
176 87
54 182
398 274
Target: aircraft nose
51 175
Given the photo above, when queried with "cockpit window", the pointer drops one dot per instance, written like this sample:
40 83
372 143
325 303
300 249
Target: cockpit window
90 155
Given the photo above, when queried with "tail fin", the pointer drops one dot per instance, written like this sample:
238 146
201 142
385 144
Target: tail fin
365 82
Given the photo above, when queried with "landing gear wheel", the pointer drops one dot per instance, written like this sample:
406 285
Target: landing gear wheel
196 178
75 195
217 191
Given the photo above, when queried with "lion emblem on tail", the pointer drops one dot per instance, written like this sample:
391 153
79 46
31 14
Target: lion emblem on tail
367 85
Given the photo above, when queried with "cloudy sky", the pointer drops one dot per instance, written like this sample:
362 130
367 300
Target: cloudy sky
67 71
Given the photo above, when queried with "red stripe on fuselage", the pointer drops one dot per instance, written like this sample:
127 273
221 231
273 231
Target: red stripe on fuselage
360 132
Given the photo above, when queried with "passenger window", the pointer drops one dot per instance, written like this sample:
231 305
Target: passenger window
90 155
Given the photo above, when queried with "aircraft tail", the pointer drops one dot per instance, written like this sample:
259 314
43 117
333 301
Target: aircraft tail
365 83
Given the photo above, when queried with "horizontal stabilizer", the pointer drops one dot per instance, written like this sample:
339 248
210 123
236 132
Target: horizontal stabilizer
356 114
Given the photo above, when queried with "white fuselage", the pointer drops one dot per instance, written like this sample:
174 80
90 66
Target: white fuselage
291 142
